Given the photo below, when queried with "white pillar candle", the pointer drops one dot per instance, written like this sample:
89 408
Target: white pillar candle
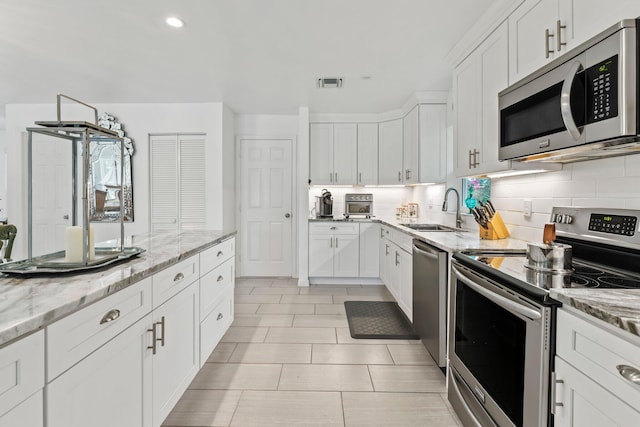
73 244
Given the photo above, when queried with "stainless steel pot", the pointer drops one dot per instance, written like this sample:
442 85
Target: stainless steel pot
548 266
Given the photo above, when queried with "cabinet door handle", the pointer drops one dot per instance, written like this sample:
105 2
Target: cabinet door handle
336 180
554 404
331 177
161 323
336 241
629 373
559 28
360 177
386 249
219 279
399 176
470 161
110 316
154 339
220 316
178 277
397 256
547 44
331 242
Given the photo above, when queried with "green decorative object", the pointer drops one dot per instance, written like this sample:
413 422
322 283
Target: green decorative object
475 190
8 232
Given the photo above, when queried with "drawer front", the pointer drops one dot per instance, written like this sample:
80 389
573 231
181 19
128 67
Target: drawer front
213 284
597 353
172 280
334 228
72 338
216 255
21 370
401 239
214 326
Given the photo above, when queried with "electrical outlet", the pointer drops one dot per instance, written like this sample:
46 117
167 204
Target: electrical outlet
526 208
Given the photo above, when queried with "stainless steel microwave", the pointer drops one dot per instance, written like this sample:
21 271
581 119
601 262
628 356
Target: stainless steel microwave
580 106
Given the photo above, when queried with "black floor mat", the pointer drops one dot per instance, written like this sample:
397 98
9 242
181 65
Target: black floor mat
378 320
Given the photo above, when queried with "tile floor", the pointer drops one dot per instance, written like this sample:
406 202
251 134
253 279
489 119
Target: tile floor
289 360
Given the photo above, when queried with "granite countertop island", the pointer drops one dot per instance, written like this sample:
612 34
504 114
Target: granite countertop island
30 303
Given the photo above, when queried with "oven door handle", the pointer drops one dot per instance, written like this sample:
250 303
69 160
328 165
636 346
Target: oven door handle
498 299
565 101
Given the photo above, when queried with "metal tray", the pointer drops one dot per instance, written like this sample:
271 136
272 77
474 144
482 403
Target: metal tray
55 263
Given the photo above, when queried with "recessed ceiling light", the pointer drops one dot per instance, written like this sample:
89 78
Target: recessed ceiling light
175 22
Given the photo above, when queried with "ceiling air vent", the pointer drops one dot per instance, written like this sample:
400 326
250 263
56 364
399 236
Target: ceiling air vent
330 82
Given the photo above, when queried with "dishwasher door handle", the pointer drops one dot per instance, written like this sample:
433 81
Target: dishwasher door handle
425 253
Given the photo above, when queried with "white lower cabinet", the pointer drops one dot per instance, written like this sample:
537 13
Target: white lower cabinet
110 387
21 382
396 269
177 358
27 414
594 372
369 243
334 249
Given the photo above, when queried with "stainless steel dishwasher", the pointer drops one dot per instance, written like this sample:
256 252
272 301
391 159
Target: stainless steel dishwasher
430 298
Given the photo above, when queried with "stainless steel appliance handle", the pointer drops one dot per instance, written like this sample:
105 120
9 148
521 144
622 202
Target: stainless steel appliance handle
498 299
472 416
565 101
425 253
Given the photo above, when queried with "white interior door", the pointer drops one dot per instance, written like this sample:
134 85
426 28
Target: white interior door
265 207
52 204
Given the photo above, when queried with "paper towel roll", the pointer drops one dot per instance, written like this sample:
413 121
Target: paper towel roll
73 244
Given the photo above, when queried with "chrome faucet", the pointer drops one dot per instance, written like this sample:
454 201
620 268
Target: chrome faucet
445 205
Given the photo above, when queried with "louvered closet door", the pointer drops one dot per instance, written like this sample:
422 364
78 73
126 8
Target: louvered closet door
164 182
192 182
177 182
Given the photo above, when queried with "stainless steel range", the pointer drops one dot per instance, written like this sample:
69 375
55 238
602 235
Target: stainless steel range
502 335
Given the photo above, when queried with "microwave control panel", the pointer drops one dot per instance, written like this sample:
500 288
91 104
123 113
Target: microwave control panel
602 89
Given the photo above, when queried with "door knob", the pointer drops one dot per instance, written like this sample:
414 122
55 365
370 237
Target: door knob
287 215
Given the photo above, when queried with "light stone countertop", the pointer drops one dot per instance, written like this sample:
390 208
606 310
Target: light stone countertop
29 304
619 307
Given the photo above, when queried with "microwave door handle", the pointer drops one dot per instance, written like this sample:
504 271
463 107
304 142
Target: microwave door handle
565 101
498 299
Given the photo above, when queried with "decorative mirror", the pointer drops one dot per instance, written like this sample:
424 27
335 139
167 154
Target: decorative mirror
105 172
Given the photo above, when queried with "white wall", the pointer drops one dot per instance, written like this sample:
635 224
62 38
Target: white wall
139 121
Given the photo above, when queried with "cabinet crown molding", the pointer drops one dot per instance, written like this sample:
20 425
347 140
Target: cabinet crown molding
497 13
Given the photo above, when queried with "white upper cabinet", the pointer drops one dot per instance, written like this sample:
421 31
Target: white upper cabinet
541 30
367 153
432 143
477 81
390 152
411 126
333 153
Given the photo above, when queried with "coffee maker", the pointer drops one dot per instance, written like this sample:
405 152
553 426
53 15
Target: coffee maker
324 205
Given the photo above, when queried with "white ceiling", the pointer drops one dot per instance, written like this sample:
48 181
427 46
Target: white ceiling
256 56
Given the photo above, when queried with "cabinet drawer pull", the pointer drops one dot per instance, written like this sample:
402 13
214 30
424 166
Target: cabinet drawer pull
629 373
161 323
110 316
219 279
178 277
154 339
220 316
219 254
333 228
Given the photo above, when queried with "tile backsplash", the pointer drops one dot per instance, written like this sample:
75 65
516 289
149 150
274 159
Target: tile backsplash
606 183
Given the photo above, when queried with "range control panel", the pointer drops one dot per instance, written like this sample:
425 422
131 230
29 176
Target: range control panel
614 224
618 227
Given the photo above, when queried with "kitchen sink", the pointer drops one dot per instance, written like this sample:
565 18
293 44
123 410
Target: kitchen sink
430 227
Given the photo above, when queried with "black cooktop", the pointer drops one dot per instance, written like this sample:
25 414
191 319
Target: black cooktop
584 275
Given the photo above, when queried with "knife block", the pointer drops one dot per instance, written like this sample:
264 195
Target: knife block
495 229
